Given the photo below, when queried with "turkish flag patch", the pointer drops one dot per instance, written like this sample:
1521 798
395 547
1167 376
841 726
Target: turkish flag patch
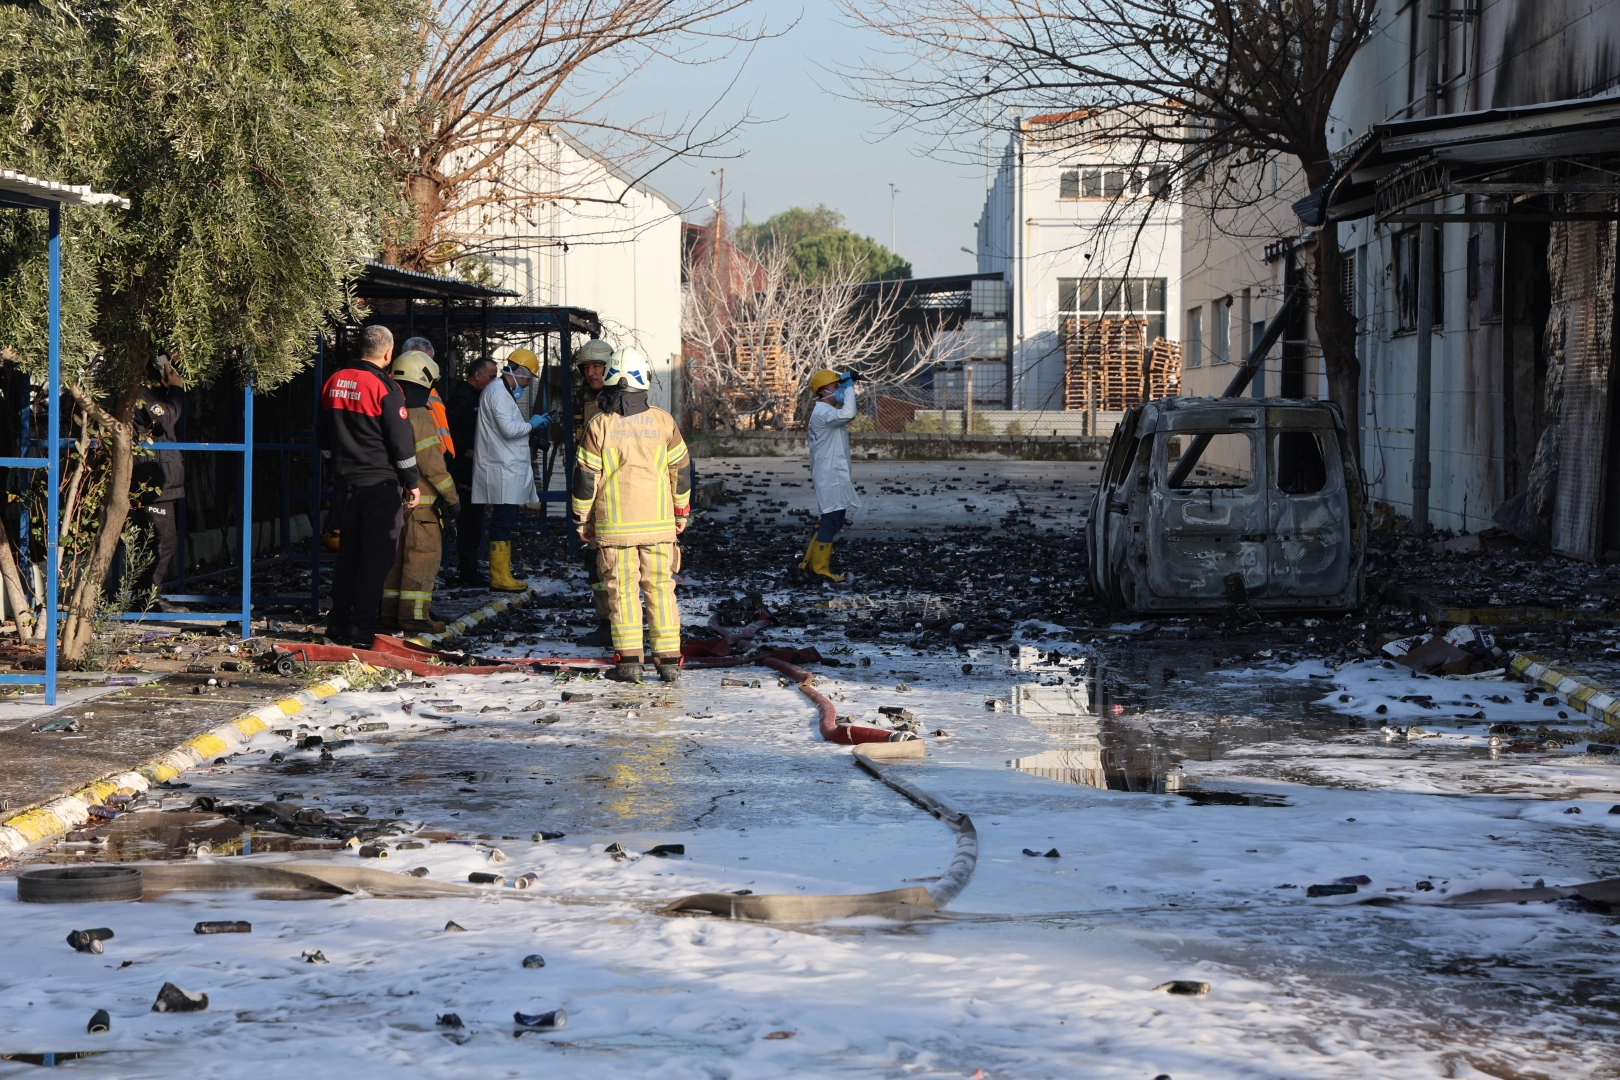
402 414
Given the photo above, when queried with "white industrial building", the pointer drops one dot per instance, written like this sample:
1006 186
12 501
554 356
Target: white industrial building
575 231
1054 226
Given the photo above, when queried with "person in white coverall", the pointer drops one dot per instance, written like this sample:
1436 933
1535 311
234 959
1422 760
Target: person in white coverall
834 408
503 468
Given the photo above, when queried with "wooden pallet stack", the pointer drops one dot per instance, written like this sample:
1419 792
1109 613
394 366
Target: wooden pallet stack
1103 363
762 361
1164 369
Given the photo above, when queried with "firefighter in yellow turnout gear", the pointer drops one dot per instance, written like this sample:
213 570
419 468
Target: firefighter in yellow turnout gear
631 495
408 590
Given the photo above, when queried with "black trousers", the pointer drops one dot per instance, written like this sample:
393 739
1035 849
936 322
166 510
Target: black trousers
166 535
369 521
469 533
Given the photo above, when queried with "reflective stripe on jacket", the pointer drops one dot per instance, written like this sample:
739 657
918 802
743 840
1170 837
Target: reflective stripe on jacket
436 482
631 480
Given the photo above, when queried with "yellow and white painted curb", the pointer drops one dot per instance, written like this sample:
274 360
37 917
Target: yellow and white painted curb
1595 700
494 609
53 818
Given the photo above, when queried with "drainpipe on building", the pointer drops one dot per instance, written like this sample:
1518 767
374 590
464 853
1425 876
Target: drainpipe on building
1421 420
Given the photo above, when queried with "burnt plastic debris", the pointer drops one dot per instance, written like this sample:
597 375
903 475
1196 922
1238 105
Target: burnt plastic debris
454 927
664 850
534 960
89 941
225 926
172 999
1185 987
418 871
614 848
575 695
315 956
1051 854
480 877
310 742
449 1020
1344 886
556 1018
526 881
100 1021
373 851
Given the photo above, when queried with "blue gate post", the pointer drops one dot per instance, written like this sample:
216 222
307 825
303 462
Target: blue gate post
53 450
247 509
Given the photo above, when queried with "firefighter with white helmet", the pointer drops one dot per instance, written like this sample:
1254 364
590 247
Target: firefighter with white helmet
631 495
407 598
503 469
834 407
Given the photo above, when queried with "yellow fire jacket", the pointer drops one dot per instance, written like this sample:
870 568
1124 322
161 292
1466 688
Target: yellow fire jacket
436 482
630 478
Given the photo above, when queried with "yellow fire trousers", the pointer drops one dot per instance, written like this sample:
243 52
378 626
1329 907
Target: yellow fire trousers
408 589
636 578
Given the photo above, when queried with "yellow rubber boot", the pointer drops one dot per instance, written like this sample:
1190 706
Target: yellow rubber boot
821 560
810 549
500 568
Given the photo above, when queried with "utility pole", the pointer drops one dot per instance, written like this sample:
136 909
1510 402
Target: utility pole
1424 376
893 191
719 212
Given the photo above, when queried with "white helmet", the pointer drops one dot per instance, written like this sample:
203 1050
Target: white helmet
627 370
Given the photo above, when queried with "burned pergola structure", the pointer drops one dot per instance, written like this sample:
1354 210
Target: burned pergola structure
1546 179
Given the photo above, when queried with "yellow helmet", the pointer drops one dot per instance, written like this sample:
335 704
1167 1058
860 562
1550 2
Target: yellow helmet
594 351
523 358
415 367
821 380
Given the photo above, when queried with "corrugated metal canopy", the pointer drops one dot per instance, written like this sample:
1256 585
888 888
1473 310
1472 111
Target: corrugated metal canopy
20 190
1399 164
379 281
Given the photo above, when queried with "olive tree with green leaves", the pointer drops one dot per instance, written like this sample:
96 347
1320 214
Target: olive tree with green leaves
247 137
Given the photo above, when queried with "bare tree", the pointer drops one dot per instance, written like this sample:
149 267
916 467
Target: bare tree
499 78
754 333
1244 81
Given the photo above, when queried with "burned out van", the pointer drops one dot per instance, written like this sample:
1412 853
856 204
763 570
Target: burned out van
1206 503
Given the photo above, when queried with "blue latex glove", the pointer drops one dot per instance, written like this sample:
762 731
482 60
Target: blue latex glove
539 420
847 379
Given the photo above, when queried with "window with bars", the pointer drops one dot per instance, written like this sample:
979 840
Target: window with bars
1113 298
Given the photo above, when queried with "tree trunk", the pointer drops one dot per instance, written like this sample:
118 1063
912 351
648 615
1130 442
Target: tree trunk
79 626
16 596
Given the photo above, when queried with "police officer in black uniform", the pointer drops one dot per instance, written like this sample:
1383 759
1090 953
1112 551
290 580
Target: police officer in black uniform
161 473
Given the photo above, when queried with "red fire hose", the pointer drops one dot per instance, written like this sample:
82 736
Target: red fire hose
831 729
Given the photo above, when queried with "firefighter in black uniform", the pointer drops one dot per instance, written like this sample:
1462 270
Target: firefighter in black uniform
162 473
367 443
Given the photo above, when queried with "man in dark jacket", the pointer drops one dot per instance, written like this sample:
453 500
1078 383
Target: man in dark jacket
463 413
160 476
368 446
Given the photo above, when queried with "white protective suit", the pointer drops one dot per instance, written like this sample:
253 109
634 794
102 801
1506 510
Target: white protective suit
503 468
829 455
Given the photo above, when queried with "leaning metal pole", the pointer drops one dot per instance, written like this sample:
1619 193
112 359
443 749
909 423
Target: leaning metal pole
1240 380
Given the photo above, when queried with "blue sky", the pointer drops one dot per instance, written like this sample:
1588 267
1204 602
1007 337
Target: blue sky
815 147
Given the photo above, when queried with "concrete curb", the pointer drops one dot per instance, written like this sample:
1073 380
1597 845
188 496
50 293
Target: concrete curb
70 811
494 609
1594 699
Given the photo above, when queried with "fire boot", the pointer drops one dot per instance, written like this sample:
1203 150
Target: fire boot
820 560
669 669
626 671
500 568
421 626
601 637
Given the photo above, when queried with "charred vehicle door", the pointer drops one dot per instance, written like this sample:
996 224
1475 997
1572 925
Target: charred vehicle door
1213 522
1108 528
1312 530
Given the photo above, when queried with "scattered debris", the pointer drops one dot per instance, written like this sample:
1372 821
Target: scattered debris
172 999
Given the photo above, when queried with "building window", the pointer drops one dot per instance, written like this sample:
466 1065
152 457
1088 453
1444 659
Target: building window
1221 346
1113 298
1192 351
1105 182
1485 266
1404 248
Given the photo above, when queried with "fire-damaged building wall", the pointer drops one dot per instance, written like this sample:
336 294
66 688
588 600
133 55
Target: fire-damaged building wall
1522 346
